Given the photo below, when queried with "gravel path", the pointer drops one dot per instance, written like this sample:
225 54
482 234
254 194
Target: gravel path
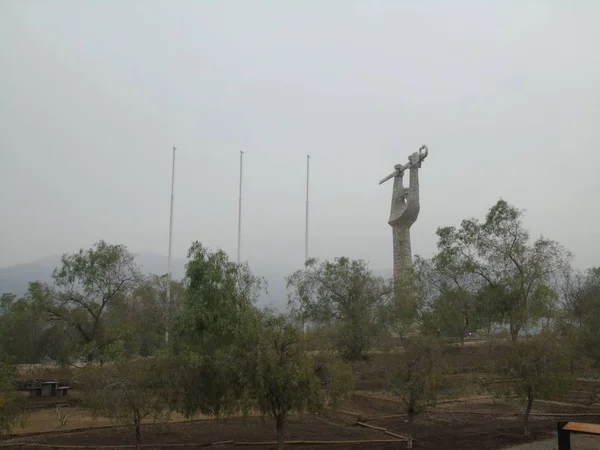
578 442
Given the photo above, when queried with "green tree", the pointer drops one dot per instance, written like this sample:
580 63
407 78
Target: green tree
11 405
582 303
538 367
27 337
343 293
517 273
286 380
215 337
415 376
127 391
143 318
458 288
159 299
86 286
6 301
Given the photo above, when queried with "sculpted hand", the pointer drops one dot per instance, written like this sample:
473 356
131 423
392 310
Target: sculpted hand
405 202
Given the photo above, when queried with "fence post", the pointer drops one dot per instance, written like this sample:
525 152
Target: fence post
564 437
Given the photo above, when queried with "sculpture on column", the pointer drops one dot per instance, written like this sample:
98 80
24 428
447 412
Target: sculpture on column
405 210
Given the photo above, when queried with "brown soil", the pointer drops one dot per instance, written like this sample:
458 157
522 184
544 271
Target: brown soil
204 432
442 427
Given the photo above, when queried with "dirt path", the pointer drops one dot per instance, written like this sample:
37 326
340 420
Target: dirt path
577 443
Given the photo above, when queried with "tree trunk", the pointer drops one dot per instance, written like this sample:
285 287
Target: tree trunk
462 341
514 332
409 436
527 411
572 365
138 435
279 424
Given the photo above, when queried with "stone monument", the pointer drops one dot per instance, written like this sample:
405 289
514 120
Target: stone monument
405 210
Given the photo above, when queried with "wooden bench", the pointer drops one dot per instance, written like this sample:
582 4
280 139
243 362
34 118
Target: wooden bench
566 428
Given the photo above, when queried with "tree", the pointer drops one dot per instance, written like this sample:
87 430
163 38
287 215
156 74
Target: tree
456 303
126 391
582 302
415 376
11 407
576 294
537 366
85 287
219 294
25 335
286 379
215 337
147 314
6 301
343 293
517 274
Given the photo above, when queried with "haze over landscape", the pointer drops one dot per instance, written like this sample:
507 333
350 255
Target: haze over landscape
95 95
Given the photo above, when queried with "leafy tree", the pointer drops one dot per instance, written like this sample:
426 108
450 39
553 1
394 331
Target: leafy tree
456 303
518 274
85 288
25 335
144 317
11 407
215 337
218 296
538 367
127 391
415 376
159 299
286 379
583 307
6 300
343 293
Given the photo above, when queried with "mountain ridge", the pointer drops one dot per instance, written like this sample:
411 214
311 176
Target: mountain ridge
15 279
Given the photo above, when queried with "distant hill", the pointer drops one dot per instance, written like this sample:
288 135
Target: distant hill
16 278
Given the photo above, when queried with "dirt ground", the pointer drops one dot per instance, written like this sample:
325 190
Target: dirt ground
449 426
204 432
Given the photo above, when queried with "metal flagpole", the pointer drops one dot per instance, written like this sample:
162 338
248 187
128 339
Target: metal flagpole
306 223
170 249
240 210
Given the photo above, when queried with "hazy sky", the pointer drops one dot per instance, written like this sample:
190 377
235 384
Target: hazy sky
94 94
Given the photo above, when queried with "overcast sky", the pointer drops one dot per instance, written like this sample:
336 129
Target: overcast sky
94 95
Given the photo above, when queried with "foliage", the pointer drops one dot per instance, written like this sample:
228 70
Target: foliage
583 307
144 320
517 274
61 417
344 294
538 366
26 336
286 379
11 405
87 285
416 374
126 391
219 295
7 299
455 305
215 336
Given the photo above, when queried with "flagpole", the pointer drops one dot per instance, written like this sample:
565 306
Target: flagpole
239 243
306 215
170 248
306 226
